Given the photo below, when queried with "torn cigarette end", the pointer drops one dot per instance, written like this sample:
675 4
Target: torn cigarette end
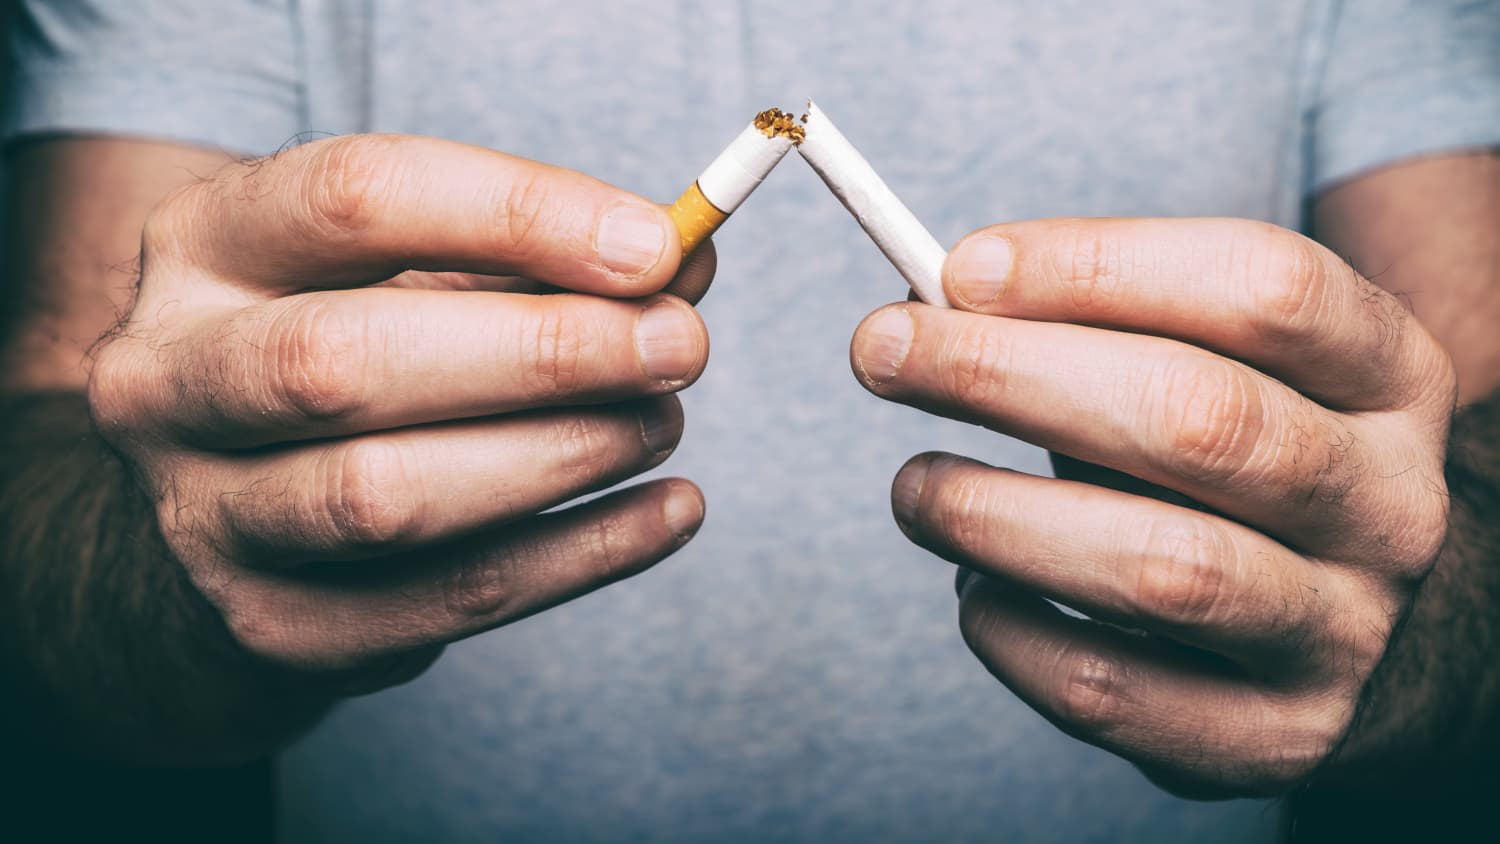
908 245
774 122
733 176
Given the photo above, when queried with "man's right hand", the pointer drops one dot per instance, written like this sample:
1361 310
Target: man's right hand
349 420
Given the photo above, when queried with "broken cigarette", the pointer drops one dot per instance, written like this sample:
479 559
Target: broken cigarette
913 250
737 172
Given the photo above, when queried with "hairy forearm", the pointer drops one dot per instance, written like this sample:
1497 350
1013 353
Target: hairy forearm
108 648
1436 698
1424 742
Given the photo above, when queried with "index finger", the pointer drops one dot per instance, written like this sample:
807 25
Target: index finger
359 209
1263 295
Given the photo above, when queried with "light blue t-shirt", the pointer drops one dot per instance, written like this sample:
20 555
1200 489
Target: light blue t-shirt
796 672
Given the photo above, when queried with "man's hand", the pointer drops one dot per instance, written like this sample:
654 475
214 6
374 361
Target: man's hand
1272 428
349 419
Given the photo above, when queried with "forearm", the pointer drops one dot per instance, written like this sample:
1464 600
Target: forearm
1435 702
1420 756
108 648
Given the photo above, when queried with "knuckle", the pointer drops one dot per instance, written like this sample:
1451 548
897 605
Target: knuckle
315 355
525 206
585 446
115 387
1435 374
1445 377
1311 727
1428 532
612 545
1291 281
195 534
162 231
1359 639
261 636
1090 691
977 360
1181 579
478 590
347 182
556 352
1093 268
1213 423
964 499
257 624
368 503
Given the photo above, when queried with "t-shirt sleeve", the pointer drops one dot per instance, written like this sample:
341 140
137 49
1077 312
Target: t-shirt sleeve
1403 78
221 74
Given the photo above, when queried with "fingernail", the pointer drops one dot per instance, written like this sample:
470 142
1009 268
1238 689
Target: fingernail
906 491
683 512
666 342
661 425
980 268
884 343
630 239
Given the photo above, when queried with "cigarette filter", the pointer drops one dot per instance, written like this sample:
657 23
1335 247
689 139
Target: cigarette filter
737 172
908 245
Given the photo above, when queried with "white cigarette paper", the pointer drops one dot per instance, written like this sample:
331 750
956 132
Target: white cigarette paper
908 245
741 167
733 176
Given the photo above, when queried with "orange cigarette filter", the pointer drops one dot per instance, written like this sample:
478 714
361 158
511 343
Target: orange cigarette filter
696 218
733 176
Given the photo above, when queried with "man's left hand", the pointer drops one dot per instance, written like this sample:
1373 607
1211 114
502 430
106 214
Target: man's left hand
1263 431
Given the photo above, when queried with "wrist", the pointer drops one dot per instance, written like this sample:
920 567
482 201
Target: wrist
106 648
